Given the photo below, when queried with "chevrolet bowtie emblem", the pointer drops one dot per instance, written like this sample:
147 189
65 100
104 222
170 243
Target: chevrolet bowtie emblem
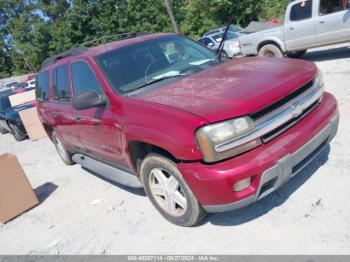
297 110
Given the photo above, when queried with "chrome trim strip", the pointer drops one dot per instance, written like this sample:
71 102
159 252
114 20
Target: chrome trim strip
292 111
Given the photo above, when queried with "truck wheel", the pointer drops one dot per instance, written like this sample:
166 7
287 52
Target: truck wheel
270 50
17 133
297 54
62 152
169 192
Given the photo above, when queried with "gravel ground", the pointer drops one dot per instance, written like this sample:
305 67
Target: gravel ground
81 213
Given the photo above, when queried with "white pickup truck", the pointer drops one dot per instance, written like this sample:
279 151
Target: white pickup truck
308 24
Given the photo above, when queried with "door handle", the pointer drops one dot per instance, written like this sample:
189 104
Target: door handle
322 22
78 118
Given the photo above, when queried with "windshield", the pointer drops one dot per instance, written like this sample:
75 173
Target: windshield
229 36
137 65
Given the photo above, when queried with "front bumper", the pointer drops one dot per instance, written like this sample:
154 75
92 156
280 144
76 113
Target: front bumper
285 169
269 166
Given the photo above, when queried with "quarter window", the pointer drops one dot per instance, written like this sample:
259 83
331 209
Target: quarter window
61 84
84 79
42 87
301 11
332 6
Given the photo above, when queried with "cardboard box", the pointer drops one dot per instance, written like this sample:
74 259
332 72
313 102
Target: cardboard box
32 123
16 193
22 98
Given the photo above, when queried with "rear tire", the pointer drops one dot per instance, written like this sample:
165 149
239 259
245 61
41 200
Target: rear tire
270 50
169 192
61 150
17 133
297 54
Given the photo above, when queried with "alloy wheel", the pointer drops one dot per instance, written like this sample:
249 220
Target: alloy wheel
167 191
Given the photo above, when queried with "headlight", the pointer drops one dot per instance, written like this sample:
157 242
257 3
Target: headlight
212 139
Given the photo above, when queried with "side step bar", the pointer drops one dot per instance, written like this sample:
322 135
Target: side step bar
107 171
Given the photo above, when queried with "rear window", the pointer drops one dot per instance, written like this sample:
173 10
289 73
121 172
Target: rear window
229 36
42 87
301 11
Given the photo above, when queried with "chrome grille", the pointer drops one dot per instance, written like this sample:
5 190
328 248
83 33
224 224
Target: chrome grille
279 106
280 118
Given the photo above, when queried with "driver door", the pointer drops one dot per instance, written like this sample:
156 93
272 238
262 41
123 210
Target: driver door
96 126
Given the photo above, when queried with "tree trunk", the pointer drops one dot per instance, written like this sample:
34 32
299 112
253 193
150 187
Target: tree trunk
171 16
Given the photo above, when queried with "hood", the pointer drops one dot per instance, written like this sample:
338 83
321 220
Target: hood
239 87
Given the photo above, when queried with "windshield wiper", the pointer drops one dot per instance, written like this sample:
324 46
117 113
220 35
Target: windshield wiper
155 80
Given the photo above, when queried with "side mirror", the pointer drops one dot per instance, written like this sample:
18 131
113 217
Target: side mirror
89 100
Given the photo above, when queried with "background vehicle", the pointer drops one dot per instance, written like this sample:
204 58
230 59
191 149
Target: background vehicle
232 28
231 45
307 24
10 120
200 135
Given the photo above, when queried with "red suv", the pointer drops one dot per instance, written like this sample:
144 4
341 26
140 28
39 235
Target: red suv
200 135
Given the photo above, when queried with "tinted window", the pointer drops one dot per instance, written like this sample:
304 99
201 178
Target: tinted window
207 42
229 36
332 6
61 84
83 79
42 87
301 11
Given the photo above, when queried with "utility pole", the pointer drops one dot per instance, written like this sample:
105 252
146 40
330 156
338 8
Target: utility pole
171 15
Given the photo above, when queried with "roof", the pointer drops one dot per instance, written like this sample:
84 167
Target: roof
95 51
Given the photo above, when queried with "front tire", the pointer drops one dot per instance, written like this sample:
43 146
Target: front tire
270 50
61 150
169 192
17 133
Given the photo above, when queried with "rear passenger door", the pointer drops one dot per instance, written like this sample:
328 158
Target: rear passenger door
96 126
61 108
333 21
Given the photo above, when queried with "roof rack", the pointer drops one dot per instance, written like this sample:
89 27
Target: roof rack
111 38
71 52
95 42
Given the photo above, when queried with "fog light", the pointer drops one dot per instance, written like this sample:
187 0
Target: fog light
243 184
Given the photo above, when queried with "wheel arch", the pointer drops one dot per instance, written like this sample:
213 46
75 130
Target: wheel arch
270 42
138 150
